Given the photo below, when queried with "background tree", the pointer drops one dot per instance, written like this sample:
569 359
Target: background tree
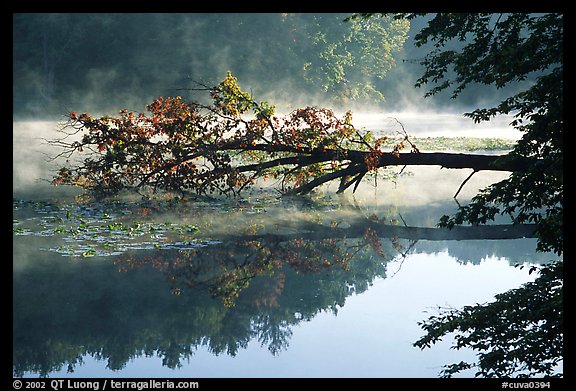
99 62
346 59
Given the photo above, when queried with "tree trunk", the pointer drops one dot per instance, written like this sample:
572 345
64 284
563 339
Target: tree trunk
476 162
456 160
358 166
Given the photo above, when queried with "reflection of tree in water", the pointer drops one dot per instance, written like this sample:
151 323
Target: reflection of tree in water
265 283
475 251
227 270
266 286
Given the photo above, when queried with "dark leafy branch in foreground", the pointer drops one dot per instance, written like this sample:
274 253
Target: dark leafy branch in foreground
520 334
228 145
504 50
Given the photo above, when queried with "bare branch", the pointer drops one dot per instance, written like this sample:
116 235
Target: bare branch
463 183
308 187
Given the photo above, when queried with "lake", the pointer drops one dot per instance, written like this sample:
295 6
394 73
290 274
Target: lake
260 286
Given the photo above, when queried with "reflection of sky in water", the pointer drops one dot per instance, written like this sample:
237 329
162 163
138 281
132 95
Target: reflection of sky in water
371 336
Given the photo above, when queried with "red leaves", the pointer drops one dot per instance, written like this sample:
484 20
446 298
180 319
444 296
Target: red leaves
379 142
170 108
153 150
372 160
371 238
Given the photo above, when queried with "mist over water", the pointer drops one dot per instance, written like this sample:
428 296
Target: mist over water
29 154
102 63
133 58
33 166
435 124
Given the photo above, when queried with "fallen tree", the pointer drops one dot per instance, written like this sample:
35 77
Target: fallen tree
226 146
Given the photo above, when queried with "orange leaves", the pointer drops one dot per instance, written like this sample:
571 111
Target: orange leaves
309 146
84 117
371 238
315 119
312 127
173 108
379 142
170 116
372 160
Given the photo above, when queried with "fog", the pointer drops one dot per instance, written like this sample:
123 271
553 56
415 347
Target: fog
101 63
30 157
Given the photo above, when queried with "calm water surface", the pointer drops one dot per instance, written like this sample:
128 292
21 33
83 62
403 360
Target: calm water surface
254 287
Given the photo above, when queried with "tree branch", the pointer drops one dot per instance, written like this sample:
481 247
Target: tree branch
308 187
463 183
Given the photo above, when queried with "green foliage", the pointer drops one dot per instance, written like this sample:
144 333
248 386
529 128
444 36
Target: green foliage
499 50
520 334
136 56
230 99
346 59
